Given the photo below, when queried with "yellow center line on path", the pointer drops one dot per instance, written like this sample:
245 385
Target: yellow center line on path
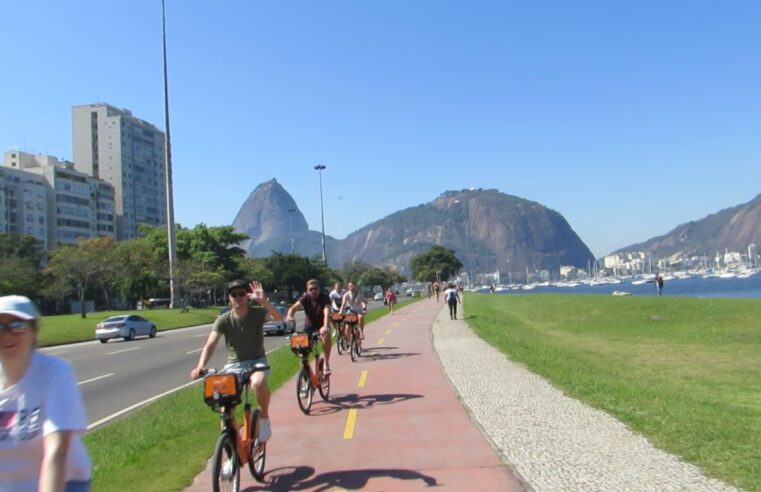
388 331
380 341
395 324
351 421
362 379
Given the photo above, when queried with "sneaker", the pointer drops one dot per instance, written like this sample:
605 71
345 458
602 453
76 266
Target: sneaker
264 429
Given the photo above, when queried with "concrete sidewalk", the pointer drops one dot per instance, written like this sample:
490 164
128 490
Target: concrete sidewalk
393 422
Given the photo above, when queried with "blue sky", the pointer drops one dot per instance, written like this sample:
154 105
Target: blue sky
628 118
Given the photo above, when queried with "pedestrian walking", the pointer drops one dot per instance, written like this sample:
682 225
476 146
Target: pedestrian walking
659 283
42 416
390 300
452 298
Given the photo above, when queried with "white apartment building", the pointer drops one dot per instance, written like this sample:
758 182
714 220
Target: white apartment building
23 203
128 153
74 205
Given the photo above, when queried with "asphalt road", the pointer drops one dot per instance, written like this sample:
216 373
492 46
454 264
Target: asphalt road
119 376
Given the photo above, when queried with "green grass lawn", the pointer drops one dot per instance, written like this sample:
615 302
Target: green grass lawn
163 446
71 328
684 372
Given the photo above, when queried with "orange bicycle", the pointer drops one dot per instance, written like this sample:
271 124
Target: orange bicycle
342 345
302 345
222 392
355 340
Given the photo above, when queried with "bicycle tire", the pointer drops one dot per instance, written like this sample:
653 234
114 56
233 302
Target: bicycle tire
304 391
324 387
257 455
352 349
340 341
225 451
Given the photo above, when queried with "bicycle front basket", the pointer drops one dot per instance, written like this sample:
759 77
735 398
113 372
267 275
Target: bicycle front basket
337 317
351 318
221 389
300 343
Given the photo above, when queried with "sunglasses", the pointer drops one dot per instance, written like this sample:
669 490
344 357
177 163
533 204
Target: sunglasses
238 293
17 326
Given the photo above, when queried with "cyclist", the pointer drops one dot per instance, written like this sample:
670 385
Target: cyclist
316 306
243 329
336 295
354 299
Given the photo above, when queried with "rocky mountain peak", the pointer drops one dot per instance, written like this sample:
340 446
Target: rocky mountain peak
266 214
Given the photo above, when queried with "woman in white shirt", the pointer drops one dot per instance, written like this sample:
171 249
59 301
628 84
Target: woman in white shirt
41 412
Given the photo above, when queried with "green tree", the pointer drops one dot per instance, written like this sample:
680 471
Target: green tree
290 272
436 261
385 277
73 266
354 270
20 258
140 274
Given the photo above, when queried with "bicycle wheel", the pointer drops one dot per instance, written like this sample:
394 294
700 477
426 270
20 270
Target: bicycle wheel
225 469
304 391
258 452
324 387
340 341
352 347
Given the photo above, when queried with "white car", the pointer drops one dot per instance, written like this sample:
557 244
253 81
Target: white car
280 327
126 326
379 296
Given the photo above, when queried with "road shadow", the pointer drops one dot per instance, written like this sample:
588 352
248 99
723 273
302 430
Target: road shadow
337 403
470 316
370 356
303 478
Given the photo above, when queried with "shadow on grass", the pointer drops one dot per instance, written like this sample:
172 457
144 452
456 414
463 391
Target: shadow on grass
303 478
337 403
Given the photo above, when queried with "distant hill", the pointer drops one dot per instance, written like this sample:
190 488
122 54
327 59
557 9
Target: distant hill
487 229
266 219
732 228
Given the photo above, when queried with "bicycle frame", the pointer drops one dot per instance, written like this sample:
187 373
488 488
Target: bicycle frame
242 435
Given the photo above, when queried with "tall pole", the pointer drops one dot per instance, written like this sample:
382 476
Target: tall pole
320 168
174 293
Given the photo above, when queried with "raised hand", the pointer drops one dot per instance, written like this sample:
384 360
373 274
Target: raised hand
256 291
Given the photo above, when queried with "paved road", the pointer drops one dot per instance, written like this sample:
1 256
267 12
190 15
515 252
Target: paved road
118 375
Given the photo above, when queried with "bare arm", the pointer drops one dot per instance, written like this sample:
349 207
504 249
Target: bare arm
257 295
297 306
53 469
206 353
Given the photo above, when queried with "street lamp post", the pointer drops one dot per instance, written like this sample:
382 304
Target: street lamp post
291 211
320 168
174 293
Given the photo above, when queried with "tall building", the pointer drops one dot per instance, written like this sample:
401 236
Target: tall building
74 204
23 201
127 152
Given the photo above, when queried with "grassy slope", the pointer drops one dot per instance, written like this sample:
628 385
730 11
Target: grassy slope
684 372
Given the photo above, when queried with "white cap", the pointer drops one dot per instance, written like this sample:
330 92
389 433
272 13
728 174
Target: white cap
19 306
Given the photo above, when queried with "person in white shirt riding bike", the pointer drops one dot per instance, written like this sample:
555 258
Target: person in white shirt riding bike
355 300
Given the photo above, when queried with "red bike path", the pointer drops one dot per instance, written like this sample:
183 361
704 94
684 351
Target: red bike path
392 423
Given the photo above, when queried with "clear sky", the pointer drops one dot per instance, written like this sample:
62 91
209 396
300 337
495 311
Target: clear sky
629 118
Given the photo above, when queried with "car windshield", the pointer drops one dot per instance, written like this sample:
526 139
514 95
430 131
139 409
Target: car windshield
114 319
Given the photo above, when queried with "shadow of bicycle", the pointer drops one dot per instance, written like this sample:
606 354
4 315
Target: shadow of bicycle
303 478
337 403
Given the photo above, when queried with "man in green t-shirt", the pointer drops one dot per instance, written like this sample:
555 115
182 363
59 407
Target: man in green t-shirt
243 329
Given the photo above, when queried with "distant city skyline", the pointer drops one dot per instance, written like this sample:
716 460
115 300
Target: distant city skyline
627 119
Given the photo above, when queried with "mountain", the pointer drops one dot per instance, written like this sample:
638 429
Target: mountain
273 221
732 228
487 229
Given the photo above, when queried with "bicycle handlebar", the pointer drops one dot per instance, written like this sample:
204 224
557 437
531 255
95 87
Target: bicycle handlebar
210 371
